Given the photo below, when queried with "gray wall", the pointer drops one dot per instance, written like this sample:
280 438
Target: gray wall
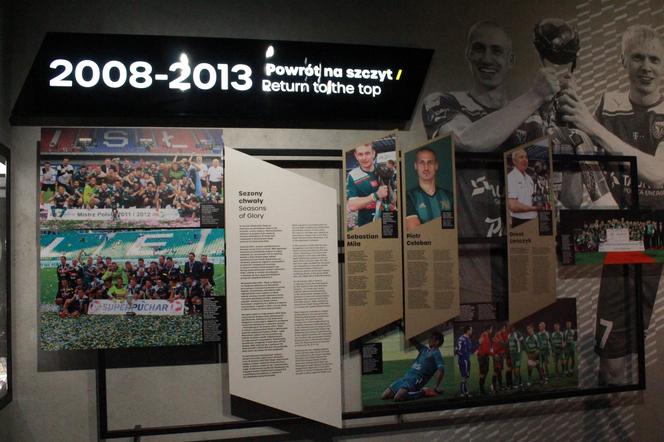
4 77
54 396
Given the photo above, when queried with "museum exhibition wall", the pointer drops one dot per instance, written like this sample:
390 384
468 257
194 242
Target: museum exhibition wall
433 220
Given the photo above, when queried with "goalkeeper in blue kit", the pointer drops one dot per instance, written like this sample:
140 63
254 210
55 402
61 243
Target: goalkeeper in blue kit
428 364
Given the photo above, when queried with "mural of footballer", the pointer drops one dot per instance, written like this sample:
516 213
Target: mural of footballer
428 364
627 123
485 119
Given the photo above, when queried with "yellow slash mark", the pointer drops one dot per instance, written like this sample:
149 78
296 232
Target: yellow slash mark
399 74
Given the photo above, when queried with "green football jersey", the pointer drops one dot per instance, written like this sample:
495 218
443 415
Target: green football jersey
514 343
570 336
543 339
557 340
427 207
361 183
531 344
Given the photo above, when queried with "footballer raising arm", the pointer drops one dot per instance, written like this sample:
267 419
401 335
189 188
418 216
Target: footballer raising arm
490 57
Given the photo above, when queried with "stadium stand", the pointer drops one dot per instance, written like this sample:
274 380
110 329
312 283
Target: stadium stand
54 245
133 244
171 141
215 243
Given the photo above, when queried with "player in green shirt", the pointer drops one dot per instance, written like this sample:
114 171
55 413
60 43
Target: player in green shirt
427 201
176 171
545 349
557 347
112 273
514 346
90 192
532 346
118 291
570 337
362 188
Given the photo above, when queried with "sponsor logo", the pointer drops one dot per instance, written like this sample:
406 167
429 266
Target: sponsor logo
481 184
495 227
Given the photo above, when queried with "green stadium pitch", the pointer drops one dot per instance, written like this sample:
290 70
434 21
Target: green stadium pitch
587 258
90 332
374 385
117 331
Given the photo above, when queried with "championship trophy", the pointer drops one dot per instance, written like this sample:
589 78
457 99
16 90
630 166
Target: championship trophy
385 178
130 304
558 44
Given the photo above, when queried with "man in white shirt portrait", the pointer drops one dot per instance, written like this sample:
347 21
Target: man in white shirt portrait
520 190
215 174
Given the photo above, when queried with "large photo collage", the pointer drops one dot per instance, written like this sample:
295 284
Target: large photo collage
129 252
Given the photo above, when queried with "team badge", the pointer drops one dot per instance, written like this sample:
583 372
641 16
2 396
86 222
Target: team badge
445 205
658 130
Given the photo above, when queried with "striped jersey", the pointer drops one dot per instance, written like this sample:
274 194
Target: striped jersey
642 127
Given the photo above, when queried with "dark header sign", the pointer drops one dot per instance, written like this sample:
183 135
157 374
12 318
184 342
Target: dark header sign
137 80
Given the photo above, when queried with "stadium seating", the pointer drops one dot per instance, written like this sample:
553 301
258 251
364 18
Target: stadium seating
215 243
127 244
58 140
136 140
69 244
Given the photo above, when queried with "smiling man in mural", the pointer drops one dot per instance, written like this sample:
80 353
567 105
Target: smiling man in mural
627 123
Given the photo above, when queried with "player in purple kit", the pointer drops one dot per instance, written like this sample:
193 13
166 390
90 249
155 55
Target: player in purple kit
464 349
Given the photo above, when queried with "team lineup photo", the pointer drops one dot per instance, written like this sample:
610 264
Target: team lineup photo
107 289
114 180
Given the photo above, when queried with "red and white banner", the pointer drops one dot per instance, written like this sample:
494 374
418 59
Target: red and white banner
144 307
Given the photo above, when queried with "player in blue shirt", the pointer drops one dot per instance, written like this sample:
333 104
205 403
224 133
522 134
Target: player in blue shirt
464 349
429 363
